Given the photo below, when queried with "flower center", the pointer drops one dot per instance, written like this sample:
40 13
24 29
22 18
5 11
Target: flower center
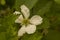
25 22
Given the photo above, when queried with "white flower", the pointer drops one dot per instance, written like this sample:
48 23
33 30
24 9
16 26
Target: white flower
28 25
16 12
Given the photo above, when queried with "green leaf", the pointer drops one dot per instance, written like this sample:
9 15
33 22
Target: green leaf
57 1
41 7
7 21
15 38
7 26
45 9
28 3
53 35
35 36
3 36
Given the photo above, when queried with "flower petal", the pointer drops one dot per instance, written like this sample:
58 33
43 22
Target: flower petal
30 29
21 31
19 19
16 12
25 11
36 20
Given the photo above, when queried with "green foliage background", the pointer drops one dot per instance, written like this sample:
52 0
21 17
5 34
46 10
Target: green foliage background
49 10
